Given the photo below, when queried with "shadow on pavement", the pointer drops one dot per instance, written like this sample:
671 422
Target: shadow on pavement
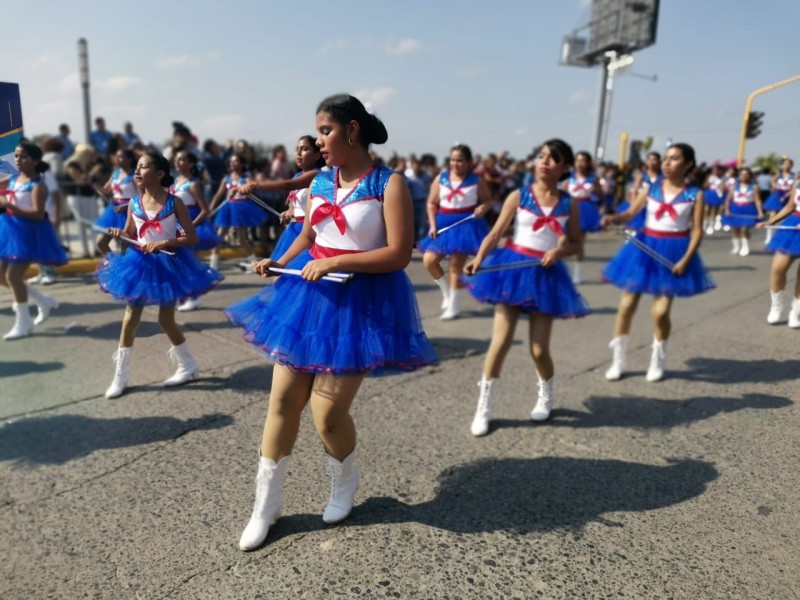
529 495
731 268
451 348
256 378
58 439
725 370
14 368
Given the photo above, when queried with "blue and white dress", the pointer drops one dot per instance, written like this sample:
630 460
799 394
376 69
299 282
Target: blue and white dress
456 202
743 209
370 323
25 240
123 189
207 238
582 190
667 231
297 202
637 222
238 211
777 199
157 278
787 241
714 194
532 289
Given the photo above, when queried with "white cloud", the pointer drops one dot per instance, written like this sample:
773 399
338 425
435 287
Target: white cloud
376 97
118 83
335 45
521 131
404 46
186 60
50 108
68 83
223 126
577 97
123 109
470 73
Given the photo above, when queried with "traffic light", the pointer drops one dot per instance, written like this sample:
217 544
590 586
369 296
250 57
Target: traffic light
754 122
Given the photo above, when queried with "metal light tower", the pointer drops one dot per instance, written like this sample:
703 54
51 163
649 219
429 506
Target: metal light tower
83 63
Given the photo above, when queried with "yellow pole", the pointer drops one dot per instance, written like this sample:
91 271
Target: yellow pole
623 149
749 104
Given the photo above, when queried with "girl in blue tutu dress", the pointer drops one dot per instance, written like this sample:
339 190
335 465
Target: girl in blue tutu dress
122 188
674 230
325 335
714 196
189 190
781 184
26 236
237 212
785 243
144 275
546 228
309 160
583 186
457 194
742 211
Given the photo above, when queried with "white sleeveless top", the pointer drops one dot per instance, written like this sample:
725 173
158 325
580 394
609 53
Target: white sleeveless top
670 213
297 202
155 225
744 196
458 198
538 227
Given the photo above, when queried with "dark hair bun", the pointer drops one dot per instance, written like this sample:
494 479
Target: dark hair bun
167 180
376 133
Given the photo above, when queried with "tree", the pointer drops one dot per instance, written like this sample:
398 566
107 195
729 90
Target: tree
769 163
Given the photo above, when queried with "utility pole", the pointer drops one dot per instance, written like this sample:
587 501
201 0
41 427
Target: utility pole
83 63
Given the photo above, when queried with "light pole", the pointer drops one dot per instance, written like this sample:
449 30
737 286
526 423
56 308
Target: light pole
83 63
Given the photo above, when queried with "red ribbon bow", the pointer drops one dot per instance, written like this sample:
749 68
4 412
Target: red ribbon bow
12 196
154 224
116 187
453 193
329 209
668 209
550 222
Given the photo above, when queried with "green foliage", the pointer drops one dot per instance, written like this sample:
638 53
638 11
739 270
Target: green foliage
769 163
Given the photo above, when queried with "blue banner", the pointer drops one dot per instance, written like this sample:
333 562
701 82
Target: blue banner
10 120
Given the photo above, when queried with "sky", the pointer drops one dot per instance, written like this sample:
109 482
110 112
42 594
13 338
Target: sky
436 72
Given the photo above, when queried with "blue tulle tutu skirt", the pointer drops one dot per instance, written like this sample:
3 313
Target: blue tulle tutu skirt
144 279
207 237
371 323
786 241
634 271
287 238
712 198
776 201
24 240
742 215
241 213
590 216
111 218
637 222
461 239
532 289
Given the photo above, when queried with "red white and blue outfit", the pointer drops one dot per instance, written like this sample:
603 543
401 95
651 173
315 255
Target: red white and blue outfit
667 231
297 202
787 241
777 199
637 222
238 211
714 194
582 191
156 278
743 209
370 323
26 240
122 189
456 202
532 289
207 238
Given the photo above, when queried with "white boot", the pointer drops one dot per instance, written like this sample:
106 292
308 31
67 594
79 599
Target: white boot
657 358
718 223
794 314
189 304
344 483
268 504
776 309
768 238
445 287
44 303
453 307
619 348
577 272
23 326
544 403
122 370
737 246
187 365
213 262
745 249
483 414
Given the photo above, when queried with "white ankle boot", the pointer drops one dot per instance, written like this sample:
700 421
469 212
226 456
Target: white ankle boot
657 359
268 504
577 272
44 303
483 414
544 402
189 304
213 262
453 307
344 483
23 325
187 365
619 348
122 370
737 246
445 288
794 314
745 249
776 308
